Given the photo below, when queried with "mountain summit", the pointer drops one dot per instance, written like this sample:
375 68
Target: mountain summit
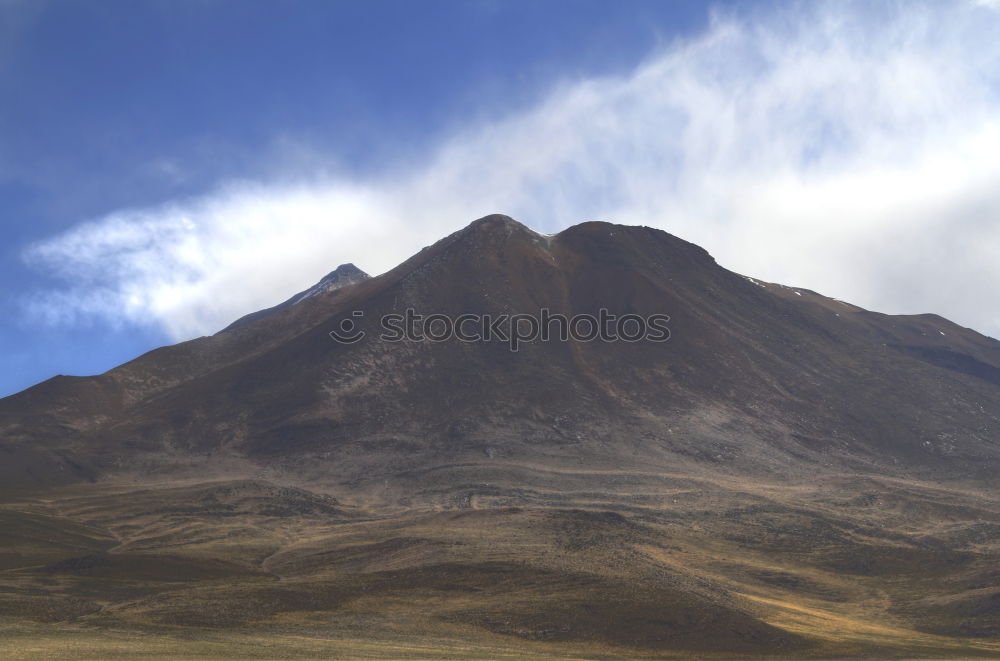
704 485
343 275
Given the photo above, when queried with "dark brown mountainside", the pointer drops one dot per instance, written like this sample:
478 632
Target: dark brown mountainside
786 475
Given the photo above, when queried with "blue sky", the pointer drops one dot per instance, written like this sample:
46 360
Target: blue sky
166 167
118 104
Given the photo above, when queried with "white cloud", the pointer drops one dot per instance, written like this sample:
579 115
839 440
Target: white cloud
852 149
989 4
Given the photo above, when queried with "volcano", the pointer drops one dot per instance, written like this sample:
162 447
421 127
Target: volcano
780 474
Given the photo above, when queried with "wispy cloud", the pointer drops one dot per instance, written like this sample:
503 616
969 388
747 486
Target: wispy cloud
849 148
989 4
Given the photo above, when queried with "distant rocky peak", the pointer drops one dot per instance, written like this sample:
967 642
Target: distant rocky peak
342 276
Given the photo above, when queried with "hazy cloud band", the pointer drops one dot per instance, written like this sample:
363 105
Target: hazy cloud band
850 148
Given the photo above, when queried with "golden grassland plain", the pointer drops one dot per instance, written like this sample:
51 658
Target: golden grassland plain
651 565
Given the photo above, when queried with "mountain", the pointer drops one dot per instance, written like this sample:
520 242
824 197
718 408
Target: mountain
785 474
343 275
